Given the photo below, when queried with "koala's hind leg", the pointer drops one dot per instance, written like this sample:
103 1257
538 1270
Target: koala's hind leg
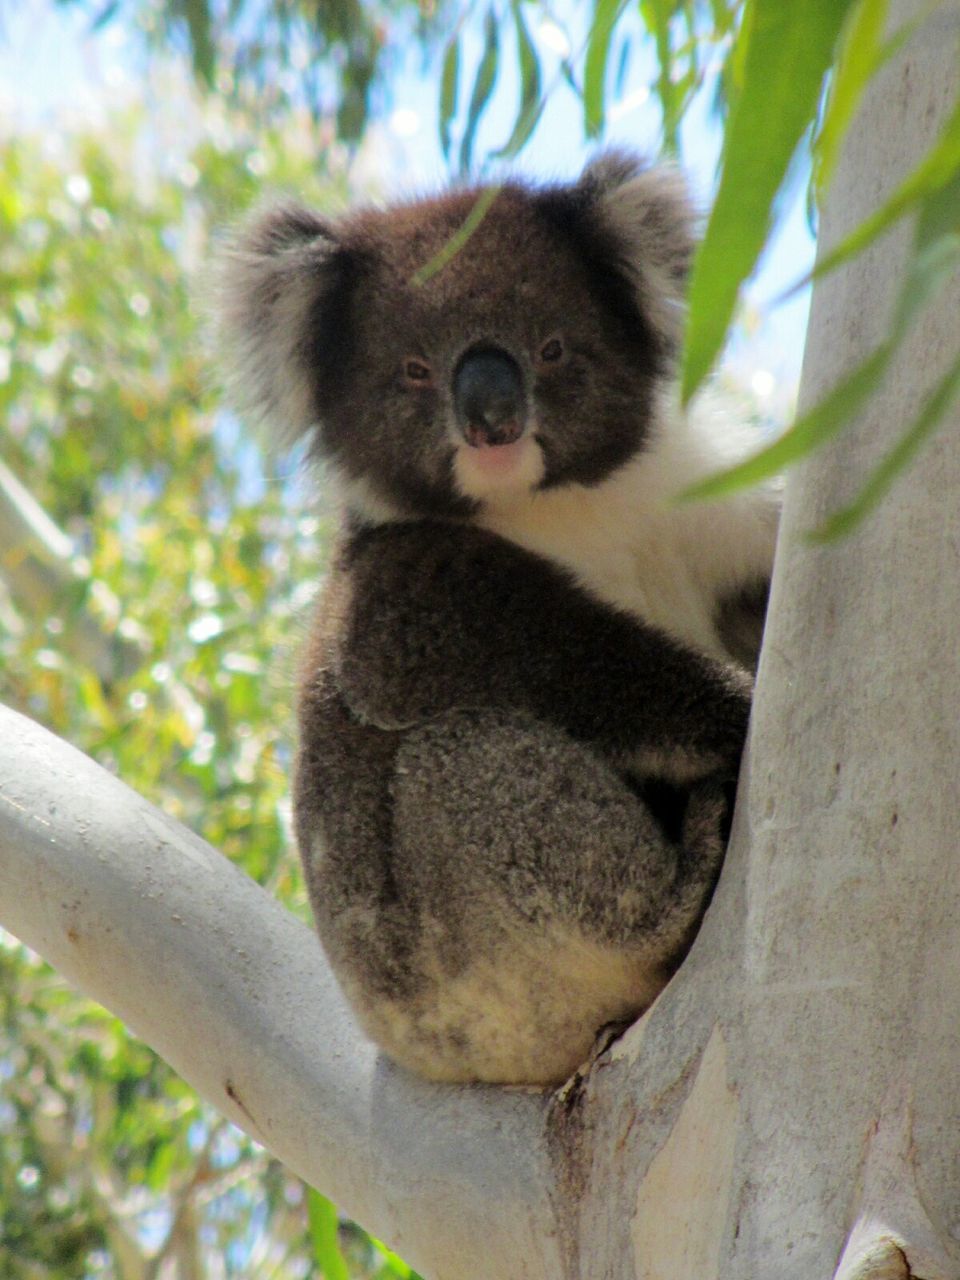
549 900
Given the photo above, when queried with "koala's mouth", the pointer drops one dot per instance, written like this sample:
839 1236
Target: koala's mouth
499 436
487 470
497 455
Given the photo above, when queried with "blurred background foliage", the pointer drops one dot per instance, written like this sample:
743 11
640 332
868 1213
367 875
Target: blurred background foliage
155 567
189 565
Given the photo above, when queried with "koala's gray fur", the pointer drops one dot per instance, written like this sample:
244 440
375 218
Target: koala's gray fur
520 713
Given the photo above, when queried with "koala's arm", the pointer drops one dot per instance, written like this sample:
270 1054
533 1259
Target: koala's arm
427 617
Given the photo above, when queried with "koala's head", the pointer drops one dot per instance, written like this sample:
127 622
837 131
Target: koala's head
528 361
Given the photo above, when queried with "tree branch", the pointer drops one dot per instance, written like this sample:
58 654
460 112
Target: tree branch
235 994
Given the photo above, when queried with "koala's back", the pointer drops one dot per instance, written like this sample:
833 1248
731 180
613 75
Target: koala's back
489 884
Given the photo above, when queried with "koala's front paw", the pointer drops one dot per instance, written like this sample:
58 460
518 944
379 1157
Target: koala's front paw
723 735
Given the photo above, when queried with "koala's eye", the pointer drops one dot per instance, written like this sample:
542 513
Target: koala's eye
417 371
551 351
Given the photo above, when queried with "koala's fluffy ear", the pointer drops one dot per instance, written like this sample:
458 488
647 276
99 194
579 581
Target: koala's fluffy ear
271 284
650 216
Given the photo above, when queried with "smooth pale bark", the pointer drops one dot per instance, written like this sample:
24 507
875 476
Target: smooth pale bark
789 1109
234 992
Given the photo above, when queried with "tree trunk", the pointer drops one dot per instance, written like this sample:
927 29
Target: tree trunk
788 1109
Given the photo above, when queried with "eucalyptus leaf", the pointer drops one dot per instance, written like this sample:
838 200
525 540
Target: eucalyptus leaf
449 83
623 67
198 18
323 1224
657 14
106 14
605 15
860 54
932 264
445 255
723 16
788 50
938 171
822 422
896 461
531 100
482 87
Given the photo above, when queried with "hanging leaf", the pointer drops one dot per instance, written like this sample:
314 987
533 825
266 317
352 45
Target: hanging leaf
822 422
859 57
323 1223
842 521
449 83
937 173
788 51
569 73
723 16
393 1265
105 15
197 15
935 258
605 15
657 14
459 238
482 87
531 101
623 68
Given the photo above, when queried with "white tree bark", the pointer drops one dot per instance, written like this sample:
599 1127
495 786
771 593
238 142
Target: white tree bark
234 992
789 1108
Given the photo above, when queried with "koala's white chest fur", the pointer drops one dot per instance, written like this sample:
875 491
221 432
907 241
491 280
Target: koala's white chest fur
629 544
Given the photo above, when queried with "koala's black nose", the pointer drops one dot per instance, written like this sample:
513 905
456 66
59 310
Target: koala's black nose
488 397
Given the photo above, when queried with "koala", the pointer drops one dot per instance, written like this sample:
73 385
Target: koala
526 689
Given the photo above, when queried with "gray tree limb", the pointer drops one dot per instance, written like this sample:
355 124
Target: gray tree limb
234 993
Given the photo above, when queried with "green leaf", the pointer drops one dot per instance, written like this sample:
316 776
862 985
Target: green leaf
482 87
937 171
789 48
859 57
823 421
842 521
569 74
323 1223
734 64
449 82
106 15
934 260
657 14
201 40
393 1264
531 101
459 238
723 17
940 215
605 15
623 68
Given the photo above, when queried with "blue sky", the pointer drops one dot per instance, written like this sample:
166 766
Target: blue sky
51 70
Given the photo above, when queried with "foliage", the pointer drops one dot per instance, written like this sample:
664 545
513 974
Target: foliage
272 55
733 239
783 76
784 73
109 1166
